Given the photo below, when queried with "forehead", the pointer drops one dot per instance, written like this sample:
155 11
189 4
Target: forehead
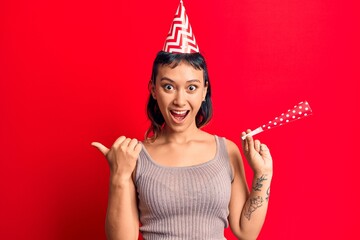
182 72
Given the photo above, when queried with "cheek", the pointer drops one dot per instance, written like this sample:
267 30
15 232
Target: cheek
197 100
163 100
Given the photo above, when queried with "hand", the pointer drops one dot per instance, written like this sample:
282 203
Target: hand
122 156
257 155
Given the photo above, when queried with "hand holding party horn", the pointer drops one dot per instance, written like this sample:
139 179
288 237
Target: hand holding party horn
298 112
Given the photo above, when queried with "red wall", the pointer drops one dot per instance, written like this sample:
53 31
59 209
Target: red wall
72 72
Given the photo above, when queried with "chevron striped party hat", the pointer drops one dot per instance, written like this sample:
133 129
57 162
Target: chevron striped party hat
180 38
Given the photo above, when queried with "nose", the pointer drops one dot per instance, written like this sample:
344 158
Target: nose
180 98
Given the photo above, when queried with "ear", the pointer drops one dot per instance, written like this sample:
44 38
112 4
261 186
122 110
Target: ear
205 90
151 88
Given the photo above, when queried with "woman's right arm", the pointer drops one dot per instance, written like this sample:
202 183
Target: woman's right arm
122 220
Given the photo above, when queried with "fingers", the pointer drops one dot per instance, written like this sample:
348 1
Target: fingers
257 145
264 150
133 142
244 143
138 148
134 145
249 141
104 150
121 142
131 146
249 144
118 141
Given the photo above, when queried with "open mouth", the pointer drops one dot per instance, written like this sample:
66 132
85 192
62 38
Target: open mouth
179 116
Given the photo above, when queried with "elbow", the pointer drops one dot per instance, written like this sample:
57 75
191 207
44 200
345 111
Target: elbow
127 236
244 235
247 237
115 233
241 238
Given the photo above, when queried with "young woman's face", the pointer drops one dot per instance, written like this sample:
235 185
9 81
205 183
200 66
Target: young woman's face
179 93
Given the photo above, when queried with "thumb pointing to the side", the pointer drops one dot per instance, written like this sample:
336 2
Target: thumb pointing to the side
104 150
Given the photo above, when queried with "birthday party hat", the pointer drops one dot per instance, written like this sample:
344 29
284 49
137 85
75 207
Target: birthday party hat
180 38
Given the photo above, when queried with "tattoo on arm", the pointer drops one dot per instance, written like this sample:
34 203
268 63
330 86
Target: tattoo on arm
268 194
254 204
258 184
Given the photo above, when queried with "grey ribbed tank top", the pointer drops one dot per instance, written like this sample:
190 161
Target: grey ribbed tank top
184 202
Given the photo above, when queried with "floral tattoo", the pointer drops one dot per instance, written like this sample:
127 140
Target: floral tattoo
259 183
255 203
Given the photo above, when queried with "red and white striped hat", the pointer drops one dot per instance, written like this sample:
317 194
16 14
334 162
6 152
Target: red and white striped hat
180 38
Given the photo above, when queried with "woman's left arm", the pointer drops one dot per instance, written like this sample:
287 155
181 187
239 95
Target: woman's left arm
248 209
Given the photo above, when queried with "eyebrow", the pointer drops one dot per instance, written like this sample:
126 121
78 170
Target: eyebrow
170 80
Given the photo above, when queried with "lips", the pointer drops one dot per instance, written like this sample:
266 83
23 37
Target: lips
179 115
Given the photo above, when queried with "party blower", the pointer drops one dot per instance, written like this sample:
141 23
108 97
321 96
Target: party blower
297 112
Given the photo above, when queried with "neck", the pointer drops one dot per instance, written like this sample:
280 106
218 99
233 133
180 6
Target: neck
170 135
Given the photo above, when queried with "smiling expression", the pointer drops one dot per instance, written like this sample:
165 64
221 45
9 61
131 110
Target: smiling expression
179 93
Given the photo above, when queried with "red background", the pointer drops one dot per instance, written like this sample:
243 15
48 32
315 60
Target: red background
73 72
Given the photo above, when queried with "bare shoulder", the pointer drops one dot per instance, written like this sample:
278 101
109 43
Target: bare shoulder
207 137
234 154
232 148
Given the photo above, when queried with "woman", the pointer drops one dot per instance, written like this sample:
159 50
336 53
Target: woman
181 182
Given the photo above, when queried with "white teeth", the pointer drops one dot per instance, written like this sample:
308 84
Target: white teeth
179 112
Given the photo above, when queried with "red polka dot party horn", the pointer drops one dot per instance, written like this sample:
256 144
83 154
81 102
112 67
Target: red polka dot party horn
297 112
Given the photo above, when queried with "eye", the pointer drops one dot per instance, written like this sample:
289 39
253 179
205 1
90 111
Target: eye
192 88
168 87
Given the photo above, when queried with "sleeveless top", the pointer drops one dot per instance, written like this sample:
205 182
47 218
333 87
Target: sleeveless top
189 202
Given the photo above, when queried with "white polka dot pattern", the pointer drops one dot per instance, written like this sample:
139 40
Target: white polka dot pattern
299 111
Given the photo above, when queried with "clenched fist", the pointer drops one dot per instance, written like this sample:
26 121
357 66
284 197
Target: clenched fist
122 156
